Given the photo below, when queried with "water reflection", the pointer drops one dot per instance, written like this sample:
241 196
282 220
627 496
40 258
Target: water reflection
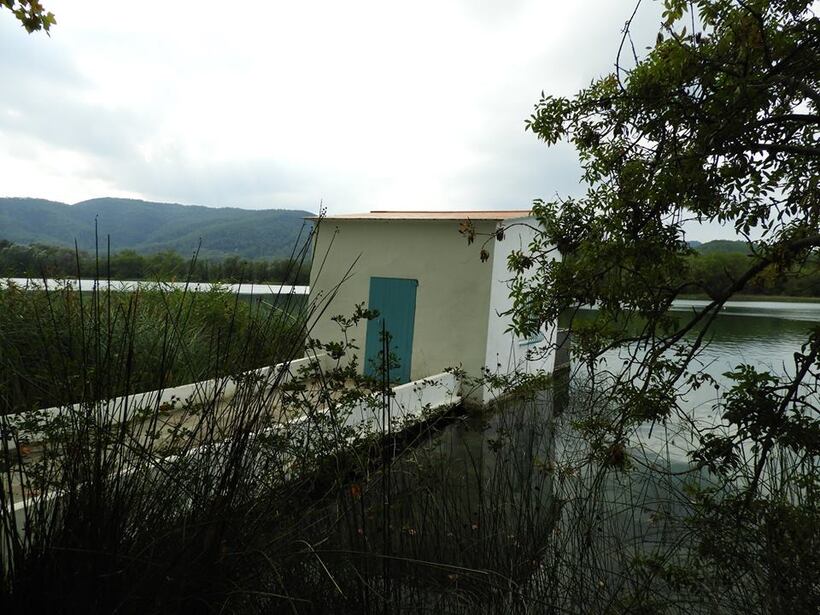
459 517
496 513
764 334
767 309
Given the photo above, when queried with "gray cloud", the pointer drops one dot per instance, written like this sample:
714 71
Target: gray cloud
47 101
32 62
255 184
52 102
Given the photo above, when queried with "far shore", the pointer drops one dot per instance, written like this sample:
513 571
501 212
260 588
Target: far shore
742 297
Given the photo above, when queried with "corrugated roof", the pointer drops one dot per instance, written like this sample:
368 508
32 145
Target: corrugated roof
432 215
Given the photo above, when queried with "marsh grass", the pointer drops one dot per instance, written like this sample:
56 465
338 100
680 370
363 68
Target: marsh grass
503 511
108 515
60 346
239 508
233 508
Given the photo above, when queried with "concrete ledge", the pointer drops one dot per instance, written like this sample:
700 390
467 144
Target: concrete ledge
408 402
30 425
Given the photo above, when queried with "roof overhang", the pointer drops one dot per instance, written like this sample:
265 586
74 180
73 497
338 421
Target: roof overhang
432 215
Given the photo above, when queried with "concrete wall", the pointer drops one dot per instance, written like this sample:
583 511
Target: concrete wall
507 353
452 301
31 425
410 403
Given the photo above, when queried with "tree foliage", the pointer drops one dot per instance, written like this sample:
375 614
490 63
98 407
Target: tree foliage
717 270
31 14
719 122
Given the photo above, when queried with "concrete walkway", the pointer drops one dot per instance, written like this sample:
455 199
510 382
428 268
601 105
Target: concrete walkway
185 418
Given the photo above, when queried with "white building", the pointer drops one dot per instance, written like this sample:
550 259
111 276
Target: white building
442 305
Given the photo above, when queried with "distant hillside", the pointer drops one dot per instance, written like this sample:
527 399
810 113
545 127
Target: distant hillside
153 227
723 246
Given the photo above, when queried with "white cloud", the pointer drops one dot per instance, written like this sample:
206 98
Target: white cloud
363 104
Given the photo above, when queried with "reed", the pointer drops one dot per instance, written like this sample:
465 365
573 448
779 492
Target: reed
273 502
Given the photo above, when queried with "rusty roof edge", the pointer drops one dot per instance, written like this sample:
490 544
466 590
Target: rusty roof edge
430 215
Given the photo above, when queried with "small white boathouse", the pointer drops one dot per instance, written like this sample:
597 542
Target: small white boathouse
442 305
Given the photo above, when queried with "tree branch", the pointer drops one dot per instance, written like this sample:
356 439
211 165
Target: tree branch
787 149
808 92
800 118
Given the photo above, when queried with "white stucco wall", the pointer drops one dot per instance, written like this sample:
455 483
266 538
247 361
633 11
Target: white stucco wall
505 352
453 294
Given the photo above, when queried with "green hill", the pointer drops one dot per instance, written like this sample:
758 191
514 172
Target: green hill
153 227
723 246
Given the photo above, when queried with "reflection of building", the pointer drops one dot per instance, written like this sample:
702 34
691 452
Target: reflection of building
442 305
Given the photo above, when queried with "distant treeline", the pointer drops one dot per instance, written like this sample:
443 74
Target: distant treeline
38 260
712 271
709 270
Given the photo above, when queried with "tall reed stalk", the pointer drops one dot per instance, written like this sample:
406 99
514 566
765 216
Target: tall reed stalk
272 501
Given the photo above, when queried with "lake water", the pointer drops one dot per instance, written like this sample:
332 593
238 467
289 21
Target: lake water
764 334
504 450
488 493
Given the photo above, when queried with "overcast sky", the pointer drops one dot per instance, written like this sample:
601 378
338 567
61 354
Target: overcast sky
267 104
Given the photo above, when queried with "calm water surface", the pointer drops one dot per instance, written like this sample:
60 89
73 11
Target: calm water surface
764 334
482 493
478 496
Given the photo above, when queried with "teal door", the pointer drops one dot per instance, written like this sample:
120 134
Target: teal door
395 300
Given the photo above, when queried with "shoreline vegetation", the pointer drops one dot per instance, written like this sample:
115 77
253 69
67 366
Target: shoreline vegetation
711 266
708 272
38 261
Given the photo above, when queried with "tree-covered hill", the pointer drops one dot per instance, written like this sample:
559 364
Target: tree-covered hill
149 227
723 246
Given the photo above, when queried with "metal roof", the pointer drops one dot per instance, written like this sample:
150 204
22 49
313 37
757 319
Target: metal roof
432 215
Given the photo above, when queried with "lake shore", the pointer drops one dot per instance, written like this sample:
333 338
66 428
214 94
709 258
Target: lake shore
746 297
